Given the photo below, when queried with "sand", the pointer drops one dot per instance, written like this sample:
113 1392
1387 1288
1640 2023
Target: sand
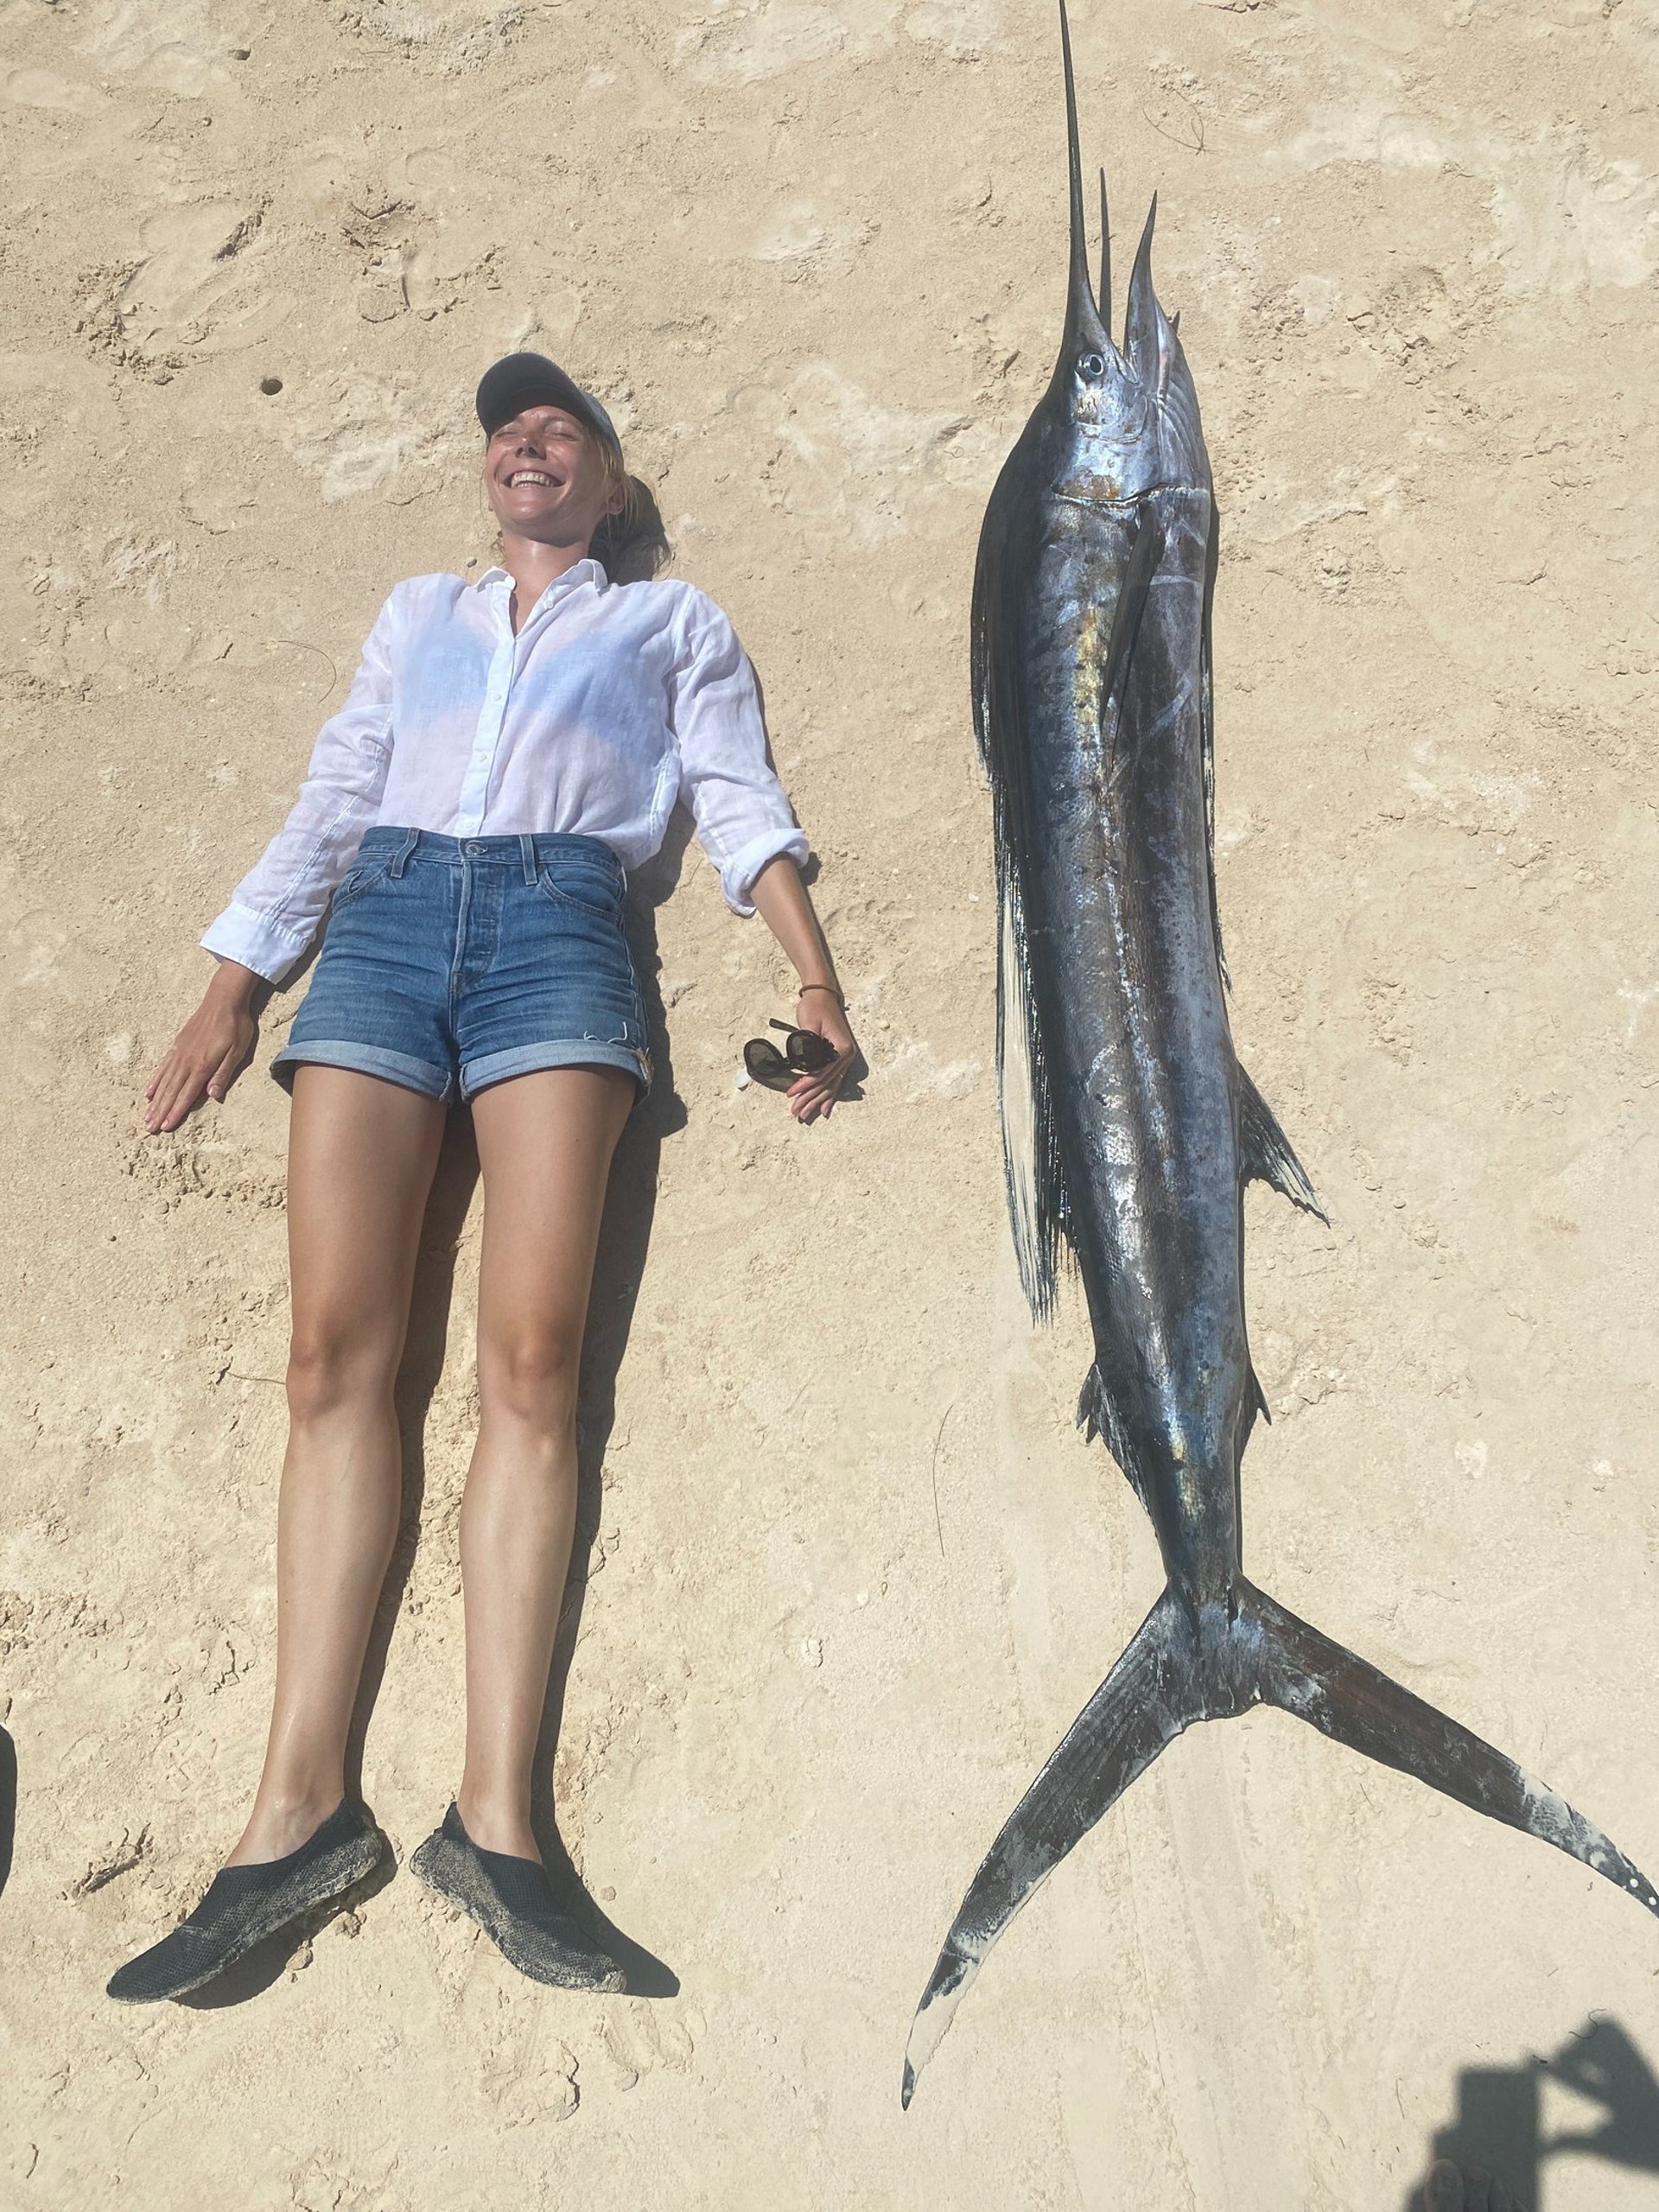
849 1570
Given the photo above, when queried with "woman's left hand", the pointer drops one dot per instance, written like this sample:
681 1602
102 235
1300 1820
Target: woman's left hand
825 1017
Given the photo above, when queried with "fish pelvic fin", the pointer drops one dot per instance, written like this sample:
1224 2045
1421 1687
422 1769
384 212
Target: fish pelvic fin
1265 1152
1098 1415
1185 1664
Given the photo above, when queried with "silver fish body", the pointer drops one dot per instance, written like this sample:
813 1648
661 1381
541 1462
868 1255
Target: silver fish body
1129 1128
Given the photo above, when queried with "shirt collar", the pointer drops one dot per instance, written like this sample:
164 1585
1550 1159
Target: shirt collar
497 581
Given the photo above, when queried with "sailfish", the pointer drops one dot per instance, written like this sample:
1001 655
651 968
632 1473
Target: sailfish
1129 1128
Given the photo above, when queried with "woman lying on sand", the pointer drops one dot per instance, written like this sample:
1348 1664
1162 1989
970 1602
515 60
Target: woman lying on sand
509 748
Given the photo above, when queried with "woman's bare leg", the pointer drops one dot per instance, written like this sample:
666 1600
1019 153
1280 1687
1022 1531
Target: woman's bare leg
361 1158
544 1145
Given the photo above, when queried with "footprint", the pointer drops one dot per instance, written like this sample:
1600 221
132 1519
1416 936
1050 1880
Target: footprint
963 28
174 46
799 235
746 45
359 432
845 459
44 88
453 39
197 285
525 2072
640 2039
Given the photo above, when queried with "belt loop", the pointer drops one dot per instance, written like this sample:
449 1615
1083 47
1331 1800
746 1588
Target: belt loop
405 853
527 854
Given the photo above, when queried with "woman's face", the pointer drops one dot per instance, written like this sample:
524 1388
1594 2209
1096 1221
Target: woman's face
545 479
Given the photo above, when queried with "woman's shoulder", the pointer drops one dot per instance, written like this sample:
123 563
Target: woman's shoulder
437 589
672 599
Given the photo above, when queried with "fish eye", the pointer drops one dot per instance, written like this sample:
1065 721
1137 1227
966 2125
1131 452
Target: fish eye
1091 366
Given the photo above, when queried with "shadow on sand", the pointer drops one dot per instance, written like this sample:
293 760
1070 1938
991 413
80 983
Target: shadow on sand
7 1804
1498 2131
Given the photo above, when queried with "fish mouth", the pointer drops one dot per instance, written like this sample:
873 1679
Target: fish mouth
1135 402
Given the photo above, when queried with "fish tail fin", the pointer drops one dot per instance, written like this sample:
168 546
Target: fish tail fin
1305 1673
1151 1695
1178 1668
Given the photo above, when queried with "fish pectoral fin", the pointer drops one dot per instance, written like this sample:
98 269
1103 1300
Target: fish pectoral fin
1152 1694
1266 1154
1306 1673
1126 620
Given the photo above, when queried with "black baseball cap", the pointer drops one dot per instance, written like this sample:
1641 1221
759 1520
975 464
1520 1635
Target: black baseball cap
522 380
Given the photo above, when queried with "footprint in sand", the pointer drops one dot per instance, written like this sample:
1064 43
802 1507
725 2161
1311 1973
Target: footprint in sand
844 460
170 46
639 2038
455 40
524 2073
357 433
197 287
769 38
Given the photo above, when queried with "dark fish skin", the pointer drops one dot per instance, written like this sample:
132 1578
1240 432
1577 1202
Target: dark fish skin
1129 1127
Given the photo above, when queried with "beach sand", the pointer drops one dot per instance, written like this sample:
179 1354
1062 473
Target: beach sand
848 1569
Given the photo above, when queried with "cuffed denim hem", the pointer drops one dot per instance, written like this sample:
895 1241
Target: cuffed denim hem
364 1059
558 1052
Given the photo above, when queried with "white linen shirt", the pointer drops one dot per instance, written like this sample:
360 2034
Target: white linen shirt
613 702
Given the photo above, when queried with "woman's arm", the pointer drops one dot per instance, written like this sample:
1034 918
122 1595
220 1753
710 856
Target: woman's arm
744 825
276 910
780 899
209 1053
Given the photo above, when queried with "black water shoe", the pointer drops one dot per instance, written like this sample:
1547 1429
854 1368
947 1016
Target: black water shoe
513 1901
247 1903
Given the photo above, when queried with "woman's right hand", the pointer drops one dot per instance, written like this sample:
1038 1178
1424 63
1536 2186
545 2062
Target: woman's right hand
208 1054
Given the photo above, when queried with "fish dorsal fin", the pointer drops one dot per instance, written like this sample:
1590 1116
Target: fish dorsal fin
1031 1156
1265 1155
1030 1152
1141 346
1207 731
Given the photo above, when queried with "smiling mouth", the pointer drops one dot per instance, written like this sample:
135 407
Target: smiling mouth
529 476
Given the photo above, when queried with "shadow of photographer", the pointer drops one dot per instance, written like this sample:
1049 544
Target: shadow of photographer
1494 2151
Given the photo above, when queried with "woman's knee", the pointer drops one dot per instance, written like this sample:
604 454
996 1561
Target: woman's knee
530 1373
332 1364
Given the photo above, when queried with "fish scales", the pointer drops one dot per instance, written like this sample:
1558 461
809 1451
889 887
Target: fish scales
1140 1076
1129 1128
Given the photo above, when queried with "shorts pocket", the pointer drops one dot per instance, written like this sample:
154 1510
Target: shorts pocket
592 885
361 877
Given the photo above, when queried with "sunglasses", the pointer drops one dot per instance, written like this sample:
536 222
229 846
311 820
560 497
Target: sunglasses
804 1052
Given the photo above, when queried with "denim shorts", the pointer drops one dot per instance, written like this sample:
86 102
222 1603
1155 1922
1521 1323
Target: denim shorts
451 963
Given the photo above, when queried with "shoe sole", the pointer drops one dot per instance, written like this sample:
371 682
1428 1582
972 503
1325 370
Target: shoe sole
449 1873
326 1885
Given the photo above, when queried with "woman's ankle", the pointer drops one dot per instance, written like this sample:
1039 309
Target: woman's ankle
496 1821
283 1820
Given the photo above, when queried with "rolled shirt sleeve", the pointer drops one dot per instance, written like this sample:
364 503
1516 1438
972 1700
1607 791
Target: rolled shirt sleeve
276 909
743 819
